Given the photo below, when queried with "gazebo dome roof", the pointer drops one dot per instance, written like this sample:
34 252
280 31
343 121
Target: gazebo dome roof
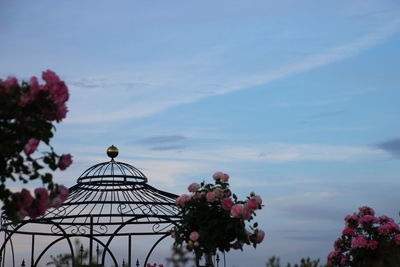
110 196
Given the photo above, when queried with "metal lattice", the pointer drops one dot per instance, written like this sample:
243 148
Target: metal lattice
110 199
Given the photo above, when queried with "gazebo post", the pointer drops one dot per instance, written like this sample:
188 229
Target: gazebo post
130 251
91 241
33 250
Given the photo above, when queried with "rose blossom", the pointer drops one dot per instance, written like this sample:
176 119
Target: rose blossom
252 204
227 204
368 219
221 176
237 210
246 213
260 236
193 187
372 244
388 227
210 196
348 231
40 203
10 82
180 201
258 199
31 146
358 242
237 245
365 210
64 161
194 236
22 200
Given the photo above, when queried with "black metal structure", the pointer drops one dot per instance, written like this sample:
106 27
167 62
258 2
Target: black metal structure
110 200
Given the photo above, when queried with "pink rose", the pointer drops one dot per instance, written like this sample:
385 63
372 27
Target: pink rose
237 210
218 192
194 236
365 210
260 236
337 244
64 161
227 204
246 213
11 82
210 196
358 242
388 228
40 203
348 231
252 204
351 220
227 193
396 239
22 200
34 88
385 219
180 201
225 177
258 199
368 219
31 146
193 187
220 176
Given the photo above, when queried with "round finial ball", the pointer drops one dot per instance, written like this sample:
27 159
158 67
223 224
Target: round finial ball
112 151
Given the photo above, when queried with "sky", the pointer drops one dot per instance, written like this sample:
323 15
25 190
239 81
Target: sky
296 100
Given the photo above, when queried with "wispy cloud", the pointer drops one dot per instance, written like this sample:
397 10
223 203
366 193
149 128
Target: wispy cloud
147 91
392 146
162 139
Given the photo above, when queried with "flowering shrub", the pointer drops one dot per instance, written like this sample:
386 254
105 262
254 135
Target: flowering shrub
367 241
213 218
27 113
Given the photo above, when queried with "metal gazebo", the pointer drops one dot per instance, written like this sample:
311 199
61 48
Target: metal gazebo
111 200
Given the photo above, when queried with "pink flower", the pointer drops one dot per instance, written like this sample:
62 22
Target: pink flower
40 203
34 88
237 210
194 236
258 199
10 82
260 236
31 146
368 219
180 201
193 187
221 176
365 210
351 220
210 196
252 204
337 244
358 242
58 93
22 200
246 213
218 192
385 219
227 193
396 239
227 204
348 231
64 161
388 228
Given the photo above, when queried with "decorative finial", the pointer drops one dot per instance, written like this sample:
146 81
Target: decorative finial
112 152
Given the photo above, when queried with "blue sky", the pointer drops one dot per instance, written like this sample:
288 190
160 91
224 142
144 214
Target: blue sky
296 100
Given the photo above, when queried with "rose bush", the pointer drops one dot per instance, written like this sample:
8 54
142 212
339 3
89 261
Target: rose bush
367 241
214 219
27 113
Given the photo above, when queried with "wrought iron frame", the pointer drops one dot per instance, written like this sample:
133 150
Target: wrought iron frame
109 199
